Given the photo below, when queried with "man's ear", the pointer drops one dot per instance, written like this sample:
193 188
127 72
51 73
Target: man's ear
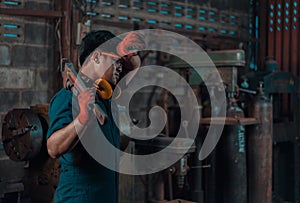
96 56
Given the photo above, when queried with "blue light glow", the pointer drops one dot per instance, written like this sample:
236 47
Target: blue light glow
11 26
153 3
202 11
136 19
202 18
123 17
150 21
188 26
10 35
151 10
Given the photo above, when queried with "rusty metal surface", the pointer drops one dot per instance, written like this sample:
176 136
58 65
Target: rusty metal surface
260 144
22 134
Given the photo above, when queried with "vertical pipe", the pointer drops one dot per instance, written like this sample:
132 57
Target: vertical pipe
271 29
196 173
286 55
66 7
159 188
286 29
296 57
211 179
64 40
278 33
263 24
295 60
75 37
294 18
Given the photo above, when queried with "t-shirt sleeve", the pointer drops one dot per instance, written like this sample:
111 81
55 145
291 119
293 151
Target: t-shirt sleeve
60 111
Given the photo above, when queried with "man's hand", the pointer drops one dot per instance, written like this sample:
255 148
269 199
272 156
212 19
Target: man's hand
130 63
132 43
84 99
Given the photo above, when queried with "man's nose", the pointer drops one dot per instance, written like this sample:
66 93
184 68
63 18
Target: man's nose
119 67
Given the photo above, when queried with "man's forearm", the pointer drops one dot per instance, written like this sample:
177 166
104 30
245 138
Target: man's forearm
61 141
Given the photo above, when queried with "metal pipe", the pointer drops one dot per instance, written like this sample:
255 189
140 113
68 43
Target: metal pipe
66 6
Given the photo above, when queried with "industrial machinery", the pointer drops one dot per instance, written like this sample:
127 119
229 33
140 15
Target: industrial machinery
256 156
283 90
240 168
230 156
172 179
224 172
24 141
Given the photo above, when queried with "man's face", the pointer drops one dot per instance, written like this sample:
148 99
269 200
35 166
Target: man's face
112 74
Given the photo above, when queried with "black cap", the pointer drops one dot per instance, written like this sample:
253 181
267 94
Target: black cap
93 40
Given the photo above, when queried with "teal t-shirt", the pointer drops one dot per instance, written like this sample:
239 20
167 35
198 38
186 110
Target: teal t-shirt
82 179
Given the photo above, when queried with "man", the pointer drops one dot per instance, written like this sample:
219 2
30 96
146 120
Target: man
82 179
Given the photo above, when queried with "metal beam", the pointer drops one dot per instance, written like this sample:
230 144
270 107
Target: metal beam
31 13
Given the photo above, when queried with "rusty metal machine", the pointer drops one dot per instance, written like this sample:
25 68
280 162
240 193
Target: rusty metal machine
24 141
22 134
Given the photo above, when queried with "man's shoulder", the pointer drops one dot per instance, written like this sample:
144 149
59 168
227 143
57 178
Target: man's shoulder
63 92
62 95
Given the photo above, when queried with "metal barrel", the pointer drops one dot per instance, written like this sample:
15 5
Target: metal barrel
260 139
